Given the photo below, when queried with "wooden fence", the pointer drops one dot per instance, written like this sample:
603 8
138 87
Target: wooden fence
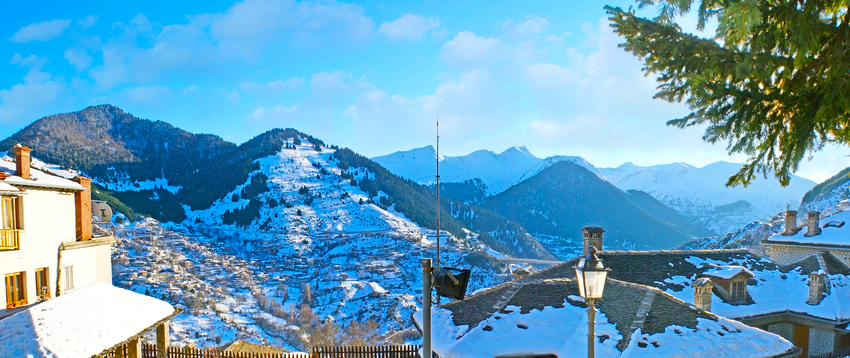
387 351
390 351
149 351
838 353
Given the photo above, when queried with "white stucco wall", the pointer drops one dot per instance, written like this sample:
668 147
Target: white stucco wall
49 221
91 263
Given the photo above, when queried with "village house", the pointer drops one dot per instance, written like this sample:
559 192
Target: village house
805 299
57 269
544 316
818 235
47 246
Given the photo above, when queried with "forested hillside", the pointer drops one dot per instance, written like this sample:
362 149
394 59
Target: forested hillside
566 197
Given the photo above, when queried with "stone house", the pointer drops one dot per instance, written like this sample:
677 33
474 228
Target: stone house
544 316
818 235
806 301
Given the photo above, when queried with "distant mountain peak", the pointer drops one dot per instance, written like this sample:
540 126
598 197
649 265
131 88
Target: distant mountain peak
521 150
700 194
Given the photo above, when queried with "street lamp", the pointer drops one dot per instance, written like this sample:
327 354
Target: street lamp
591 274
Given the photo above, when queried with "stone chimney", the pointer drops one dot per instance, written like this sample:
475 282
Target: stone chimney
816 287
592 238
813 223
702 293
790 223
82 208
520 273
23 160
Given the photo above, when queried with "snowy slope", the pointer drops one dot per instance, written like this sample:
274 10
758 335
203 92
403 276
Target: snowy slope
497 171
354 261
700 194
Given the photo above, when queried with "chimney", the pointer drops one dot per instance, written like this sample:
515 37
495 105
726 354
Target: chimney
790 223
82 208
816 287
520 273
23 160
814 223
592 238
702 293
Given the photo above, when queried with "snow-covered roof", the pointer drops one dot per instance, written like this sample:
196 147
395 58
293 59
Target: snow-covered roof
527 317
728 271
7 188
39 178
773 288
833 233
81 323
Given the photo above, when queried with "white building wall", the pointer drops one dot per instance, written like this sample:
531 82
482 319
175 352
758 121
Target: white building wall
49 221
92 263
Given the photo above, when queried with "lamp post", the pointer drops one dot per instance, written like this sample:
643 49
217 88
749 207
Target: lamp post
591 274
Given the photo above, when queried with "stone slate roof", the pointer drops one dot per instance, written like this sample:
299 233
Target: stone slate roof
621 305
660 269
651 268
835 266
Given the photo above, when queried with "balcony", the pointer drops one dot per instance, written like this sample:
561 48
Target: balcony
10 239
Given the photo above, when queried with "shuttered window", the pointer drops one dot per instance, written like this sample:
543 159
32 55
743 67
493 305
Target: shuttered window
9 212
69 277
42 284
16 290
739 291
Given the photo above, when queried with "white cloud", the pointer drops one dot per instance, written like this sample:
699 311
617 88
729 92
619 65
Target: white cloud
40 93
549 75
248 31
87 21
274 87
530 25
273 114
41 31
409 27
470 50
78 58
147 94
248 26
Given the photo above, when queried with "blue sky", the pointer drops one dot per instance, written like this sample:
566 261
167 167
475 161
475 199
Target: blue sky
368 75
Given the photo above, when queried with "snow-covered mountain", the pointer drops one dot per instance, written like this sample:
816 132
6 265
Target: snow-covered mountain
497 171
700 194
296 231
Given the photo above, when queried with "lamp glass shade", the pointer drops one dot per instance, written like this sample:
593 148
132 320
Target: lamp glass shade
591 274
592 284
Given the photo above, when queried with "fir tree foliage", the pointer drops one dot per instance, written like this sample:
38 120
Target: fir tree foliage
773 83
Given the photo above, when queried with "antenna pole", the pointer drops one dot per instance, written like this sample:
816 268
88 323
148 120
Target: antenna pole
438 195
438 188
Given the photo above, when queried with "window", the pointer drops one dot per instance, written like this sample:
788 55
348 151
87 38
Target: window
739 291
16 290
69 277
10 221
42 285
10 212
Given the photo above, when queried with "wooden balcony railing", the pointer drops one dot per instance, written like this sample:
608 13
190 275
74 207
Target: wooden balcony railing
10 239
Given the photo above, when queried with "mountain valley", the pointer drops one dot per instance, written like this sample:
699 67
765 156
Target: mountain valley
284 232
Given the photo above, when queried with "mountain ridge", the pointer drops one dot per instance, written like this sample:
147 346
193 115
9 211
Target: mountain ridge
498 171
700 195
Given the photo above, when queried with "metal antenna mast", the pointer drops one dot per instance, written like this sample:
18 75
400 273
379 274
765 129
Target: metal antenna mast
438 188
438 196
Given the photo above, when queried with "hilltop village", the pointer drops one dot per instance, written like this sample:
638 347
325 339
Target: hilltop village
325 269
